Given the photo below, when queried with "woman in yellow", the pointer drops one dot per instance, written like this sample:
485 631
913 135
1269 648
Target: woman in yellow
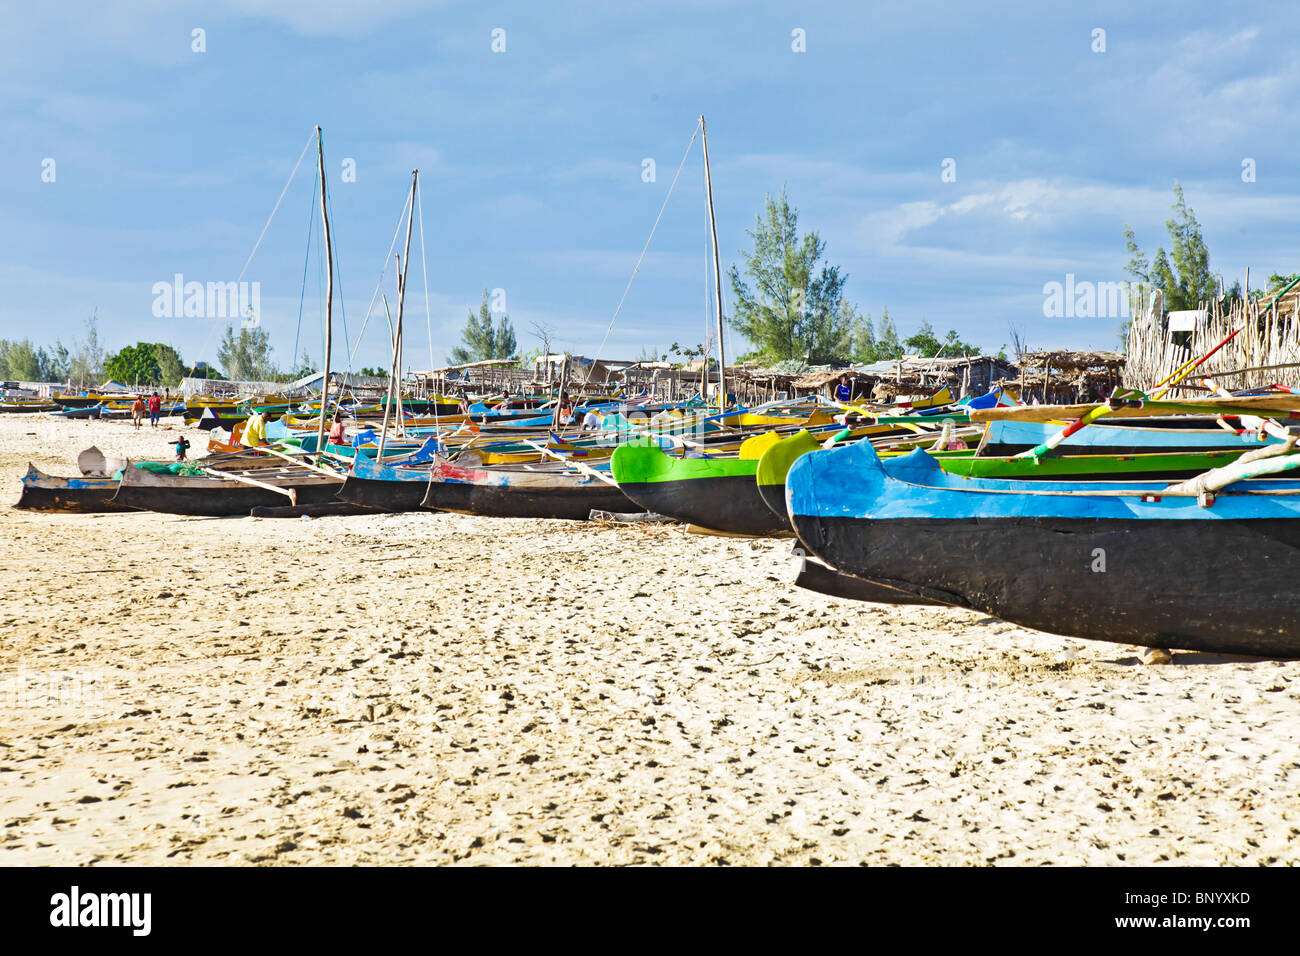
254 431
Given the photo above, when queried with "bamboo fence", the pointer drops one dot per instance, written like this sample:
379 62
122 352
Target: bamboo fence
1265 352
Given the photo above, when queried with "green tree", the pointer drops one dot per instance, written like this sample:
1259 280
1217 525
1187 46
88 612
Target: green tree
86 365
247 356
862 340
795 310
1276 282
171 369
204 370
887 345
305 365
134 365
1183 274
20 361
923 341
484 341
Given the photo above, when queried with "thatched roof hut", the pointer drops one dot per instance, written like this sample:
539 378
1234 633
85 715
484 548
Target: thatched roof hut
911 375
1064 376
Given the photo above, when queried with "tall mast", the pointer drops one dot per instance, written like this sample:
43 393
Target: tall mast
329 294
717 273
395 386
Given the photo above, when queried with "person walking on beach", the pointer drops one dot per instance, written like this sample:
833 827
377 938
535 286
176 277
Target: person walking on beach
155 409
137 411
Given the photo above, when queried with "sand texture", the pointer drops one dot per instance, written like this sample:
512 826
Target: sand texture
431 688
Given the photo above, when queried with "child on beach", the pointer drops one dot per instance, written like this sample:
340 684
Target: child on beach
182 446
336 429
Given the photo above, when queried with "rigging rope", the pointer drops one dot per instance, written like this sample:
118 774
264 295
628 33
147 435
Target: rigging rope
383 272
306 260
208 341
646 247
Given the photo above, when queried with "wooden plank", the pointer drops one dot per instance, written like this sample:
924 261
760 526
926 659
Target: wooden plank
289 493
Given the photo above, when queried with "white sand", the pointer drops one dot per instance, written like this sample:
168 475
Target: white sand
434 688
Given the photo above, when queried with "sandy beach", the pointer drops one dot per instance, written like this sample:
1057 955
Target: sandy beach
432 688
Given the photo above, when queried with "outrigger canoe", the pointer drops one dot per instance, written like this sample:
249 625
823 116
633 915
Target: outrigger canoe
42 492
386 487
1135 562
217 487
537 491
715 493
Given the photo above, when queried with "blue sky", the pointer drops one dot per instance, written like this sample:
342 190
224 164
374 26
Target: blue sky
169 161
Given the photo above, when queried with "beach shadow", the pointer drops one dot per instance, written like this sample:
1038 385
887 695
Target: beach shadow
1194 659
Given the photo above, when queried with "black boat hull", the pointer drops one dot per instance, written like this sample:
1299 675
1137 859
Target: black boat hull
1220 586
774 498
815 576
71 500
218 502
381 495
728 503
500 501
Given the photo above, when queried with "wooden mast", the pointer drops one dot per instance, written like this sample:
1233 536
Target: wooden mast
717 275
394 385
329 294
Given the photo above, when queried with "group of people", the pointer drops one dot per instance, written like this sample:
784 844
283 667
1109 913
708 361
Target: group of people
152 406
566 416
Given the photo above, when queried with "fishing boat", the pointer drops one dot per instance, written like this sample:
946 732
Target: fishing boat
79 401
1007 438
386 487
1146 466
81 495
27 406
719 494
220 486
1204 565
83 411
523 491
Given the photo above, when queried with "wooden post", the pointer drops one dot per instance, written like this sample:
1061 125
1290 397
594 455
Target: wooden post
394 386
717 276
329 292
